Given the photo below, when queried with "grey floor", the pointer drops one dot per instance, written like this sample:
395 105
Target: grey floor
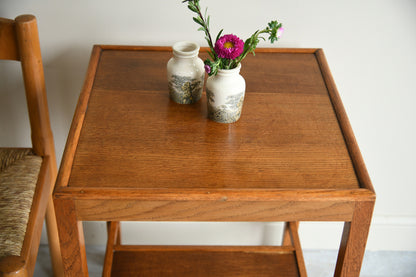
319 263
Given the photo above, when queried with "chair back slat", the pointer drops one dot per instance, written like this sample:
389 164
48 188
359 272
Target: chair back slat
8 41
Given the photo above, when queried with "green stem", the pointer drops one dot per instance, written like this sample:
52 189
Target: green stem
248 49
206 27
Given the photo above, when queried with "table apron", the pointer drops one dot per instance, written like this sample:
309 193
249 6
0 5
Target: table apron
223 210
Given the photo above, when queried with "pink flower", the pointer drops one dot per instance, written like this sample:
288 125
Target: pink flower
229 47
280 32
207 69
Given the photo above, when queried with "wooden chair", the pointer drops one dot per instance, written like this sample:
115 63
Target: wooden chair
27 176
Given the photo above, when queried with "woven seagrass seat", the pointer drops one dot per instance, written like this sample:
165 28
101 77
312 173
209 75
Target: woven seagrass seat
27 175
19 170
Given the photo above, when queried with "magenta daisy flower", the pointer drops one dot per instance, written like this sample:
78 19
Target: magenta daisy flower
229 47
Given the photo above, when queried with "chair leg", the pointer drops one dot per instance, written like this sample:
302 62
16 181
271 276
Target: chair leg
53 239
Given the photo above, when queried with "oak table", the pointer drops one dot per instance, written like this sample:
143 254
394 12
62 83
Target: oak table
134 155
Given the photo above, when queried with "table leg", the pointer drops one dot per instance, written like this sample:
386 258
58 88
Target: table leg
71 237
354 239
113 239
291 238
286 241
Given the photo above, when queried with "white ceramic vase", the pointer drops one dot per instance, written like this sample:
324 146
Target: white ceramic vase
186 73
225 95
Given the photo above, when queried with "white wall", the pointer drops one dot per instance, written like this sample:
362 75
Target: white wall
370 46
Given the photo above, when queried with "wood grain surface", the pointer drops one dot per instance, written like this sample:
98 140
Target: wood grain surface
288 135
205 261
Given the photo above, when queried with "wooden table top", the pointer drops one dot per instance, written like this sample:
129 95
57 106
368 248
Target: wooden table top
293 132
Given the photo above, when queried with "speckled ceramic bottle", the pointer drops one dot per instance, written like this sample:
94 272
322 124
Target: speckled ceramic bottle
185 73
225 95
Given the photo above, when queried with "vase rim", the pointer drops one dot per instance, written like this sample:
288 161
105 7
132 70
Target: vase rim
185 49
230 71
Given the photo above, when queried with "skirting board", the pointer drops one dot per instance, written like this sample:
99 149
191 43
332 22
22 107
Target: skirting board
387 233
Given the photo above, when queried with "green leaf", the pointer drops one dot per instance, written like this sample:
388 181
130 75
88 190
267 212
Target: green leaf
219 35
192 7
199 21
272 24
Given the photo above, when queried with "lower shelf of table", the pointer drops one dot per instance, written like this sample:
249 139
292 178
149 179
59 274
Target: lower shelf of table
204 261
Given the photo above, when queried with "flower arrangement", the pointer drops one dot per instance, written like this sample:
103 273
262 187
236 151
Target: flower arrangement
229 50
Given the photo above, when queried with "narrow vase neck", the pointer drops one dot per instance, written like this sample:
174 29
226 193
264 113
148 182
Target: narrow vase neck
185 49
228 72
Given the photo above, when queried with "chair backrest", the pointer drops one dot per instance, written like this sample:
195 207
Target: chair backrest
19 40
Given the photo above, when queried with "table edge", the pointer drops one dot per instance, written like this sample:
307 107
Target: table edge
104 47
344 123
206 194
